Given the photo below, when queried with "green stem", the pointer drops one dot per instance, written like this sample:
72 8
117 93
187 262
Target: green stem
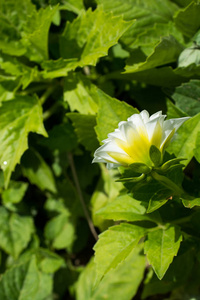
47 93
76 181
168 183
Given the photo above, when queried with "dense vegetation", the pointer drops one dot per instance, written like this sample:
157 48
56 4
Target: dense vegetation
70 71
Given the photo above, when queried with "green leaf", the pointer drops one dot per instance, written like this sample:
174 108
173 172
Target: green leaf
160 56
60 231
197 149
178 274
158 199
106 191
112 286
61 137
84 128
187 19
185 140
15 232
146 12
37 171
26 32
90 36
155 155
190 203
21 282
18 117
114 245
80 93
35 35
140 168
161 247
187 98
126 208
74 6
14 193
111 112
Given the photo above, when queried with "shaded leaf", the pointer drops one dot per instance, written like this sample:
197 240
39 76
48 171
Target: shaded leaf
15 232
185 140
161 247
37 171
84 128
187 97
187 19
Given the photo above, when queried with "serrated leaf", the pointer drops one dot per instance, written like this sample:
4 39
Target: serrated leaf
90 36
15 232
84 128
18 117
112 285
114 245
26 33
160 56
146 13
161 247
111 112
187 97
177 274
126 208
187 19
80 93
37 171
185 141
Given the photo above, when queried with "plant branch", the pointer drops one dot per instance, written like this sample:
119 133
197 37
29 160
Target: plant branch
76 181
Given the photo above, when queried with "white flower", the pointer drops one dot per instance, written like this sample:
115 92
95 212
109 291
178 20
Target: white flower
131 141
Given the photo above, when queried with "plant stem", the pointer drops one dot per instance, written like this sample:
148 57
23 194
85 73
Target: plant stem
76 181
168 183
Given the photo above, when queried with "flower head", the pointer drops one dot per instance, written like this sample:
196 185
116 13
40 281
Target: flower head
131 141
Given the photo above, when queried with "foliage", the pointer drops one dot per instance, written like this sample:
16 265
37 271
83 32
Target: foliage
70 71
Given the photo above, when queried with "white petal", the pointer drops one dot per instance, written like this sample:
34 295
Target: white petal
171 124
152 125
159 113
145 116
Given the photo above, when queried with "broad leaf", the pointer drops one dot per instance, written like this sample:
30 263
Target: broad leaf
37 171
80 93
14 193
15 232
111 112
147 14
24 282
185 140
161 247
18 117
114 245
186 97
59 231
187 19
84 128
90 36
159 57
131 270
126 208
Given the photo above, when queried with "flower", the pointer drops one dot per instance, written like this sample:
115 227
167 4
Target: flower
131 141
